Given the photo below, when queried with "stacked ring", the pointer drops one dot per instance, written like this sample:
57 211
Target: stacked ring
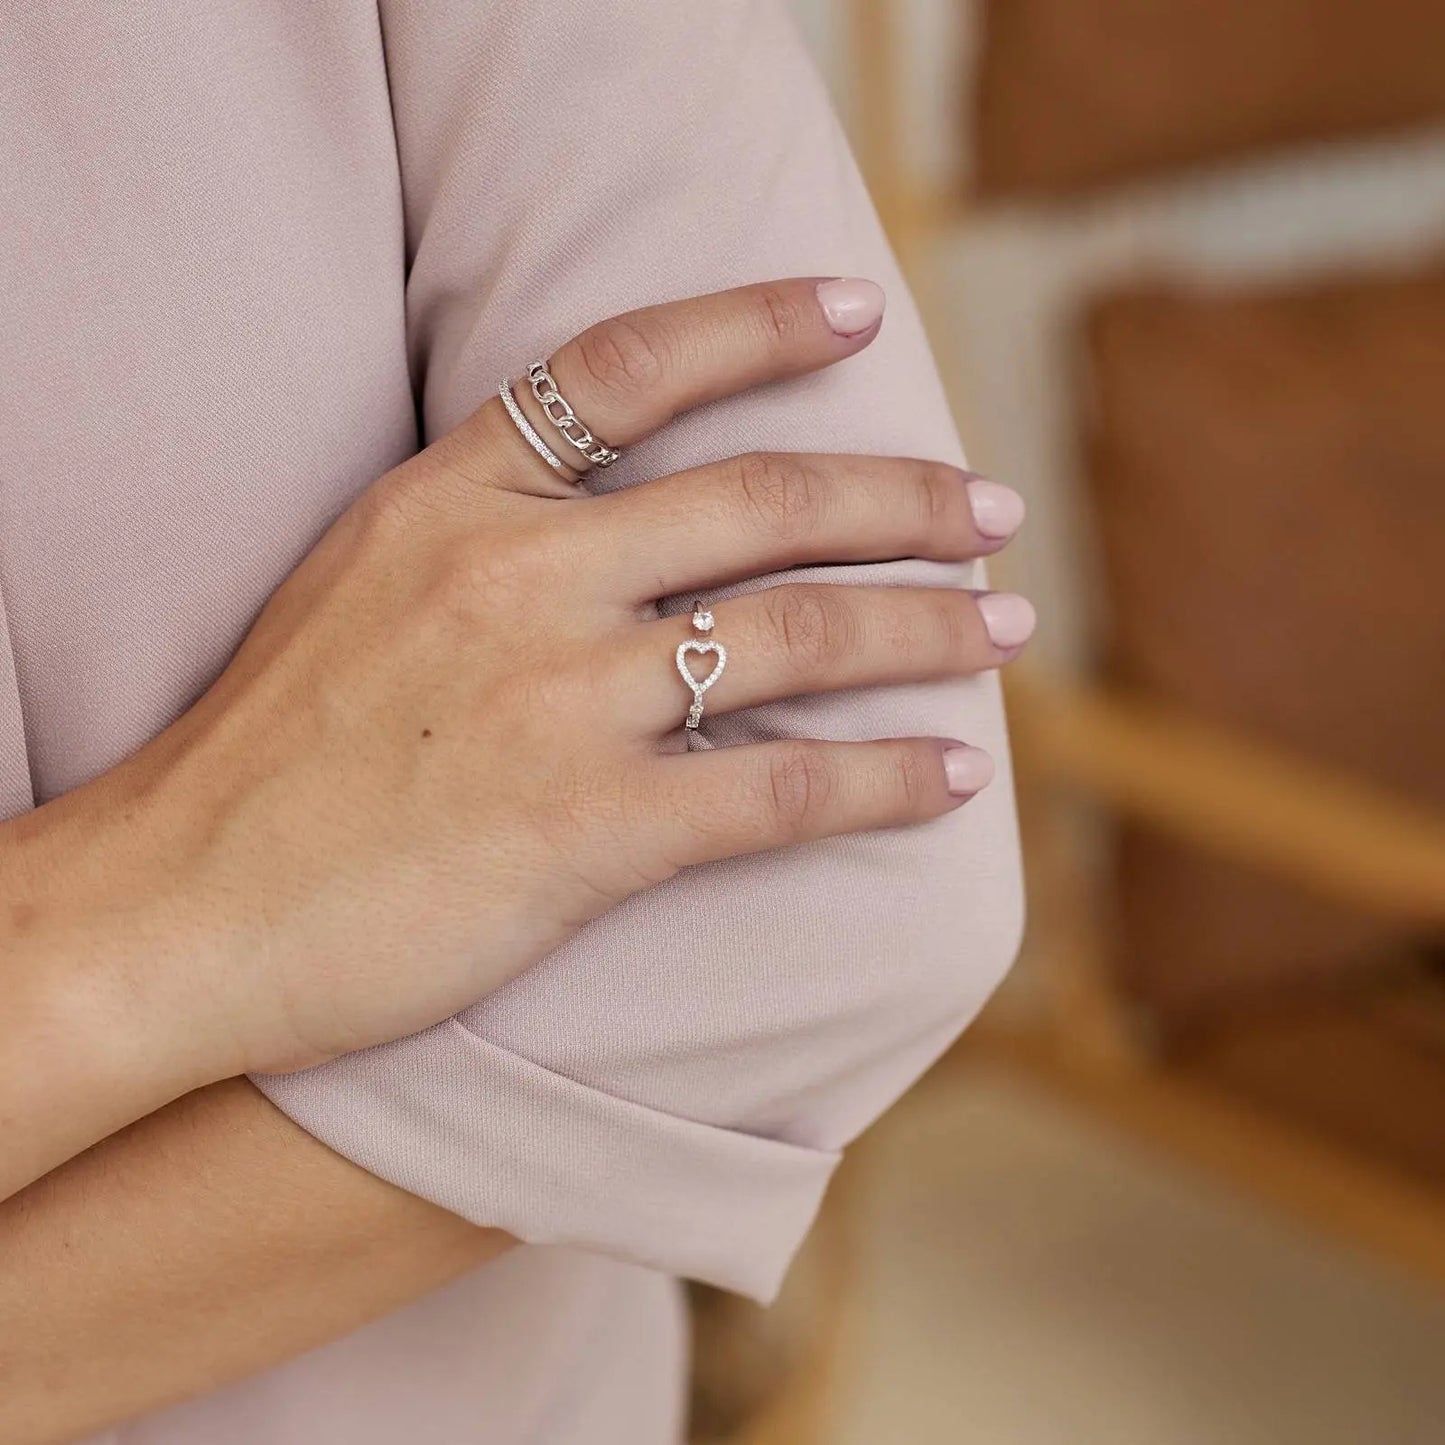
561 415
529 432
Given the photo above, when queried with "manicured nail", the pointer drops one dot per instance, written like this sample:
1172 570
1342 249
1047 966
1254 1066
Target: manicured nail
1008 618
967 769
998 512
851 306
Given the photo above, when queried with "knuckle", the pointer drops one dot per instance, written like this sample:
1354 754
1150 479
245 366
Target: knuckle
942 499
782 316
461 586
621 357
782 492
816 625
965 625
800 784
929 633
584 810
952 625
914 783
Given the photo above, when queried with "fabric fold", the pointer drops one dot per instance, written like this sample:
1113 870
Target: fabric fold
437 1114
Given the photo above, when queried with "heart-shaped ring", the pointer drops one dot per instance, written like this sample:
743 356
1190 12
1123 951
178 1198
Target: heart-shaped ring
695 685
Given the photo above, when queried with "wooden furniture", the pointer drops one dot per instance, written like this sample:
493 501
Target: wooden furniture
1089 753
1076 94
1085 751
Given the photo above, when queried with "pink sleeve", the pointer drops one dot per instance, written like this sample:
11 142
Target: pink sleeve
675 1084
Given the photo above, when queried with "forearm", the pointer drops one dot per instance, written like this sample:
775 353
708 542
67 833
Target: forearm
209 1241
212 1238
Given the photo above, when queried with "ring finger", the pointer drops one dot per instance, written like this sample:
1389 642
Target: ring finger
819 637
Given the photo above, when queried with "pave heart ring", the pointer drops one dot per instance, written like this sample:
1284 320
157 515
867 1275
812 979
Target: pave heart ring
702 621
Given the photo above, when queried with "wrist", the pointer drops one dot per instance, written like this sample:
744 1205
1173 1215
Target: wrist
72 1068
108 980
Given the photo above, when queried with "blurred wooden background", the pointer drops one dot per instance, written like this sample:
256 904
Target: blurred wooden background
1185 273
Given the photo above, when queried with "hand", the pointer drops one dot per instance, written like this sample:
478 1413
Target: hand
443 746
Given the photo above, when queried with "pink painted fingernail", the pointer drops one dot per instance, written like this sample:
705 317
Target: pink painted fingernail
1008 618
998 512
967 769
851 306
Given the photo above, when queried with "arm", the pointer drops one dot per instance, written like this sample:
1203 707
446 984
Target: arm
831 975
217 1208
569 159
314 966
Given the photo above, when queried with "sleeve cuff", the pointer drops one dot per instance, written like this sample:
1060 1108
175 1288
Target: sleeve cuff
511 1145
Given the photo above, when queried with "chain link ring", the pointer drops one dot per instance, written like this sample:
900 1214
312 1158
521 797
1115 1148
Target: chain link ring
561 415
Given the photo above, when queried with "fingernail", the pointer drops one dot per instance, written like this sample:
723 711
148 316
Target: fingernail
1008 618
967 769
998 512
851 306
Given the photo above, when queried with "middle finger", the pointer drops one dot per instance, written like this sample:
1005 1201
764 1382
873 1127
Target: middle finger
807 637
766 511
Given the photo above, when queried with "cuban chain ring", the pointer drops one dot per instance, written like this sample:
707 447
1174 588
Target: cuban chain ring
561 415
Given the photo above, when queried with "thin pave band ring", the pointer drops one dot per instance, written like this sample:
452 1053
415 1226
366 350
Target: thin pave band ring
702 621
530 434
561 415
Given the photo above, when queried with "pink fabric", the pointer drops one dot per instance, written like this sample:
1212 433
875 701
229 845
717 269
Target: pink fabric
246 245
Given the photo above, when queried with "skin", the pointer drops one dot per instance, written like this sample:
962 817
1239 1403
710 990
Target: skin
379 777
209 1241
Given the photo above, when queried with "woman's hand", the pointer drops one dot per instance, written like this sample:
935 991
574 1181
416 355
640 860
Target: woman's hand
444 745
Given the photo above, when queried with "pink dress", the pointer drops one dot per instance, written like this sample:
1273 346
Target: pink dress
250 257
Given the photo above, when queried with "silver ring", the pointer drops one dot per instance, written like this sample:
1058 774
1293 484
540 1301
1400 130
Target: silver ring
529 432
561 415
702 621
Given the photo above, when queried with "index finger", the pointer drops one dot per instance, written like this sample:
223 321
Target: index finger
629 375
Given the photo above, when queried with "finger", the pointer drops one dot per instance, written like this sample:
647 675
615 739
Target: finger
729 801
817 637
627 376
769 510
